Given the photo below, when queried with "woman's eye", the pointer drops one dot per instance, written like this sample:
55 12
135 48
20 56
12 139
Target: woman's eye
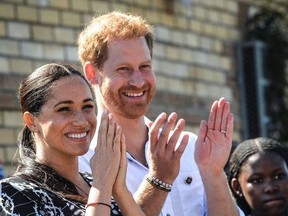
64 109
257 180
280 176
88 107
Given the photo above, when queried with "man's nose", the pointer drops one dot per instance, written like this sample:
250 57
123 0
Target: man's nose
136 79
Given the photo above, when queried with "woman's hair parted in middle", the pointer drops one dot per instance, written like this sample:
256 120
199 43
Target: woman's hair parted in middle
34 91
246 149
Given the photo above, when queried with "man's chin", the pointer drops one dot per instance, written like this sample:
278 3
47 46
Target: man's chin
134 113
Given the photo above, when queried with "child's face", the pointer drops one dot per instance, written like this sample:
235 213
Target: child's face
263 181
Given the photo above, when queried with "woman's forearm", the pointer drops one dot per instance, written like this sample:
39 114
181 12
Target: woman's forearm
127 204
99 202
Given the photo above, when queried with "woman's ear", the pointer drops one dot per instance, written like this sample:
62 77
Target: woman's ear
90 73
30 120
236 186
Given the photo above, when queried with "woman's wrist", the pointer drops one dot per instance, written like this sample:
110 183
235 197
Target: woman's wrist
94 204
120 192
99 195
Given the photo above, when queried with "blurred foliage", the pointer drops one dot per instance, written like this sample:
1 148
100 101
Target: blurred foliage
279 6
269 24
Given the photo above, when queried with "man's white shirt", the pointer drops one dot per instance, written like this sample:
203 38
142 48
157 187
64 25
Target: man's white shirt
187 198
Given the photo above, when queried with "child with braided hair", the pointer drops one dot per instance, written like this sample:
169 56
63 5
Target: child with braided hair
258 177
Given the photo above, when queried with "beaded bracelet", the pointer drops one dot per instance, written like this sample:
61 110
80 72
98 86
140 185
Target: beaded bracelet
159 184
98 203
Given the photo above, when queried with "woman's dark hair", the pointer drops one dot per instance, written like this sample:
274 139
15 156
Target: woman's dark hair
34 91
242 152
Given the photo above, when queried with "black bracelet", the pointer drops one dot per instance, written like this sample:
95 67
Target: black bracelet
98 203
159 184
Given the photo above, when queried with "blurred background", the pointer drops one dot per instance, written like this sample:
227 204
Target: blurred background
205 49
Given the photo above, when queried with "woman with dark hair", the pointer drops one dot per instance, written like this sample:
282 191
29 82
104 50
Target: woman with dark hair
59 122
258 177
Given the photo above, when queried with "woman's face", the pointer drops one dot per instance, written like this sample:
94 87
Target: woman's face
263 182
67 121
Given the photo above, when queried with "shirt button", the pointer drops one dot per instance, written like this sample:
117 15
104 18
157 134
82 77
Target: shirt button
168 215
188 180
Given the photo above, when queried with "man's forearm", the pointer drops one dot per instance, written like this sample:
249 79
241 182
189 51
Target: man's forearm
219 197
150 198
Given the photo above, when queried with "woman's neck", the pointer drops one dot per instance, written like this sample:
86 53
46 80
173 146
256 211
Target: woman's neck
64 166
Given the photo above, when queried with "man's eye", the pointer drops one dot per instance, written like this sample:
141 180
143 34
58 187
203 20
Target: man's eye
123 68
146 66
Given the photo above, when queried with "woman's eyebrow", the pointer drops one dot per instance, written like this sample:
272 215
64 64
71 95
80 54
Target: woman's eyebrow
71 102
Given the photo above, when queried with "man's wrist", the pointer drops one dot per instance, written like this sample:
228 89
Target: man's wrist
158 183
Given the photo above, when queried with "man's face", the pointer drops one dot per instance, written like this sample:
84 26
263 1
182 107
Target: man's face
127 80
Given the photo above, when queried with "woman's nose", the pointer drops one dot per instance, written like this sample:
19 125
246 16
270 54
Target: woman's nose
271 187
79 119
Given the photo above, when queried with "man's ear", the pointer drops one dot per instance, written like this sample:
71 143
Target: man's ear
236 186
30 120
91 73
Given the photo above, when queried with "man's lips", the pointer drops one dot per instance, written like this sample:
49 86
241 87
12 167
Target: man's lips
134 94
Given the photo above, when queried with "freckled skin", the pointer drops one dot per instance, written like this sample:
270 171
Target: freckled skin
128 70
68 112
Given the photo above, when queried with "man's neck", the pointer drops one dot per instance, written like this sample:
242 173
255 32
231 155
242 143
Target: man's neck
136 136
135 131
